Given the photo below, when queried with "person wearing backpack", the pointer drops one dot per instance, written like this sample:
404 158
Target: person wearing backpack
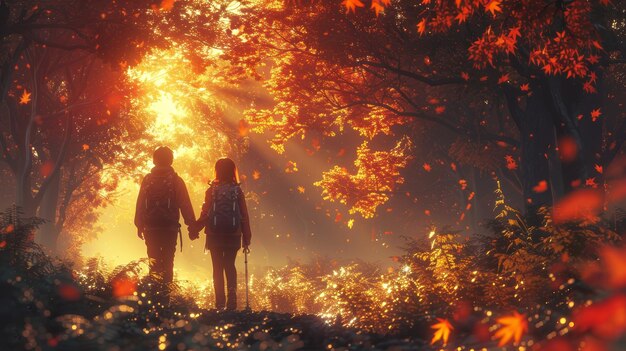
162 198
225 217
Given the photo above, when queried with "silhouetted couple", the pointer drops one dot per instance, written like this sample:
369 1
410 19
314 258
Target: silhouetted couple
163 197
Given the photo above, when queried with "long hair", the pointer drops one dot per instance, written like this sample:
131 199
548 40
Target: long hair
226 171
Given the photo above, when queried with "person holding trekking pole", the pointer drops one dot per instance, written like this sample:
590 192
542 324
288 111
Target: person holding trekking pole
227 226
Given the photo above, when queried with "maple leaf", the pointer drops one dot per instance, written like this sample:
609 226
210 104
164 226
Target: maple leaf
525 87
85 147
301 189
421 26
442 331
427 167
591 182
493 6
256 175
598 168
167 5
504 78
465 75
595 114
513 327
510 162
440 109
351 5
541 187
25 97
377 7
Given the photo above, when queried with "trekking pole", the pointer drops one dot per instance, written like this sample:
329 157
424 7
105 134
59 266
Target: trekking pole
246 251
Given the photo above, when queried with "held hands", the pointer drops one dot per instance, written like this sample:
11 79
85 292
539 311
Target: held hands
193 235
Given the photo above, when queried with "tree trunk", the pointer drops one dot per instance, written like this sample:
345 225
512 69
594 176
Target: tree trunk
48 232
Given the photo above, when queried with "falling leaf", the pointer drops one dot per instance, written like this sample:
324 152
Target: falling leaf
85 147
580 205
493 6
513 327
442 331
421 26
440 109
503 78
427 167
525 87
167 5
568 149
243 128
595 114
598 168
591 182
256 175
541 187
46 168
8 229
301 189
604 319
614 266
511 164
25 97
351 5
350 223
465 76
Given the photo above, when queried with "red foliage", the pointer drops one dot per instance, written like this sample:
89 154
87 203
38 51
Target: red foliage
579 205
124 286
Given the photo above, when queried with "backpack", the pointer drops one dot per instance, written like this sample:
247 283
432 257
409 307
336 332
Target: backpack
160 205
224 213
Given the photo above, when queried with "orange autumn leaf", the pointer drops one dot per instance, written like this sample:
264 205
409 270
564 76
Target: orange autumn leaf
598 168
427 167
243 128
256 175
301 189
167 5
8 229
85 147
541 187
595 114
124 286
440 109
493 6
351 5
525 87
421 26
503 78
580 205
513 327
377 7
442 331
25 97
